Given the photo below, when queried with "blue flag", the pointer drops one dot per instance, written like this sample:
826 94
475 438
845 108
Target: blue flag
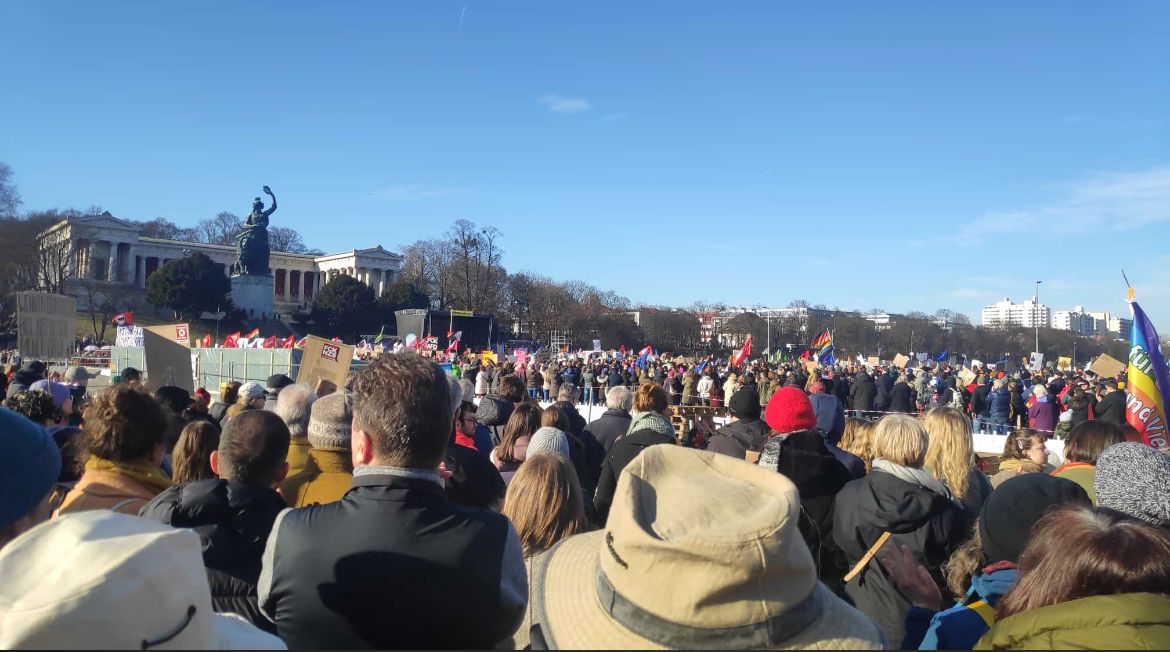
942 357
701 367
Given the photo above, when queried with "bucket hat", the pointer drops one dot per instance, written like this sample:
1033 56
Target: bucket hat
700 550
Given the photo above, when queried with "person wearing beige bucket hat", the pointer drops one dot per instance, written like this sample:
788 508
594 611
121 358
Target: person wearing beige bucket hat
700 551
103 580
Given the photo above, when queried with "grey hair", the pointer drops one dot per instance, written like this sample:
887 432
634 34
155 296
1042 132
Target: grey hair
456 394
619 398
294 405
568 392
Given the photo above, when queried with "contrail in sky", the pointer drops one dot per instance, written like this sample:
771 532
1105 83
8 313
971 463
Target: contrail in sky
461 15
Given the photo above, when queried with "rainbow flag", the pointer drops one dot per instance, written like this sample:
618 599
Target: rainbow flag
1147 384
824 347
255 333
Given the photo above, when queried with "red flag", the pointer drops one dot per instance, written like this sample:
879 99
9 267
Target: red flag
123 319
288 342
207 341
232 341
269 343
623 349
805 356
743 353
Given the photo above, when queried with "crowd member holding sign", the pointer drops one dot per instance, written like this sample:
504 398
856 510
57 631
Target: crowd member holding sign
900 502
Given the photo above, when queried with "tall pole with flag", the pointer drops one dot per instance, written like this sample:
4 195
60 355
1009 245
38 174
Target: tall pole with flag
1147 383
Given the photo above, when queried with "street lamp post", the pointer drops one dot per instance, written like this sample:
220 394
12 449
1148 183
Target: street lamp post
1036 315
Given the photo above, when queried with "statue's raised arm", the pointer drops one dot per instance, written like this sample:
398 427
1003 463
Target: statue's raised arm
272 208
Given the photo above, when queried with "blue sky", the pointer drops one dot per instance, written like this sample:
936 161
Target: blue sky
908 156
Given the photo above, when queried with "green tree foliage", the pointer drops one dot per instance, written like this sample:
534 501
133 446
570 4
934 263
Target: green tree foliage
189 286
345 306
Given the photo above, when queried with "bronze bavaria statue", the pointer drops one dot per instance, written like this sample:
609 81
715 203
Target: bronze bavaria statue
252 242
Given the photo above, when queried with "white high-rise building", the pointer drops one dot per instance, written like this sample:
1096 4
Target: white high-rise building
1028 314
1110 325
1075 320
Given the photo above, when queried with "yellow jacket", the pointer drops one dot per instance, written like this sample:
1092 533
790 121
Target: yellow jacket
326 477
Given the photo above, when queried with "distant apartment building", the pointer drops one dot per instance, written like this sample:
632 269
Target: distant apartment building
1084 322
1028 314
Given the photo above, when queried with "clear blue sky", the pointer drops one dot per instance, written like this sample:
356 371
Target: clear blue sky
908 156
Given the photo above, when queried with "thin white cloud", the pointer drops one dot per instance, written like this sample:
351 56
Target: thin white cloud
612 117
563 104
415 192
1115 201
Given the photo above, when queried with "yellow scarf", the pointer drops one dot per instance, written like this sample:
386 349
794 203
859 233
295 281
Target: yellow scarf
143 471
1020 466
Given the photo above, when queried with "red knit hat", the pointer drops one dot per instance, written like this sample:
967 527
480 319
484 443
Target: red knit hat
789 410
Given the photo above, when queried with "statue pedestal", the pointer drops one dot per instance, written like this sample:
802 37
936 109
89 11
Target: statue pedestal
253 295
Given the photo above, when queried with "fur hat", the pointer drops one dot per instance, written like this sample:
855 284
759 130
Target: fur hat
789 410
330 420
688 528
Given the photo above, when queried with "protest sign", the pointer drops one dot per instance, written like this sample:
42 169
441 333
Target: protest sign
324 360
168 356
486 357
1036 361
1106 366
900 361
521 357
1064 363
431 343
129 336
596 345
45 325
966 376
810 365
873 360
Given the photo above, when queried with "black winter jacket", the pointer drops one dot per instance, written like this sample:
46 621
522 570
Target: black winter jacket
393 564
739 437
494 412
1111 408
611 425
862 393
233 521
929 524
900 398
622 453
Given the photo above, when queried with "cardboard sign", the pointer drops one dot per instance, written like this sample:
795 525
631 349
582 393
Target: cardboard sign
486 357
872 361
810 365
46 325
1064 363
324 360
900 361
1106 366
966 376
168 356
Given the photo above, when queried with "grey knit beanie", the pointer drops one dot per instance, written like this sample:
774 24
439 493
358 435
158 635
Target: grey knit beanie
548 440
1134 479
329 422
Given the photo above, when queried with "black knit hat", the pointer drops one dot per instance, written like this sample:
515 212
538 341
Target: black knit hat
745 404
1014 507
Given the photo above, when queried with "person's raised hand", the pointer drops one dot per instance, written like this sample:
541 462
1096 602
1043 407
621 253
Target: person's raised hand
911 578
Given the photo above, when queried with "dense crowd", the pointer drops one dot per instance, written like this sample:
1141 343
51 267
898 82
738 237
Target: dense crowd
840 506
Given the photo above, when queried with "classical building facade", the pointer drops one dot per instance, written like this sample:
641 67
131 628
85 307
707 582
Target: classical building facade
106 249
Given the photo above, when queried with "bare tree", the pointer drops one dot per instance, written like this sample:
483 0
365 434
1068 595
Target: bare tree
102 303
9 195
220 230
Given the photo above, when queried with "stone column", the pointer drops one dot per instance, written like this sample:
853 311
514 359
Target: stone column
381 281
90 272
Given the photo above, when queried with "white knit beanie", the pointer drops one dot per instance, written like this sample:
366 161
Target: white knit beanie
329 422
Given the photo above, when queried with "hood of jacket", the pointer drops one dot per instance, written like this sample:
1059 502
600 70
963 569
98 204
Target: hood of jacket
1130 621
890 503
751 433
494 410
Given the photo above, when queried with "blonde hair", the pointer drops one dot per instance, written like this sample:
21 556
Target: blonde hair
901 439
951 452
858 439
544 502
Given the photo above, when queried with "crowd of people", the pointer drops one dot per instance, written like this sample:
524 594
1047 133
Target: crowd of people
838 507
